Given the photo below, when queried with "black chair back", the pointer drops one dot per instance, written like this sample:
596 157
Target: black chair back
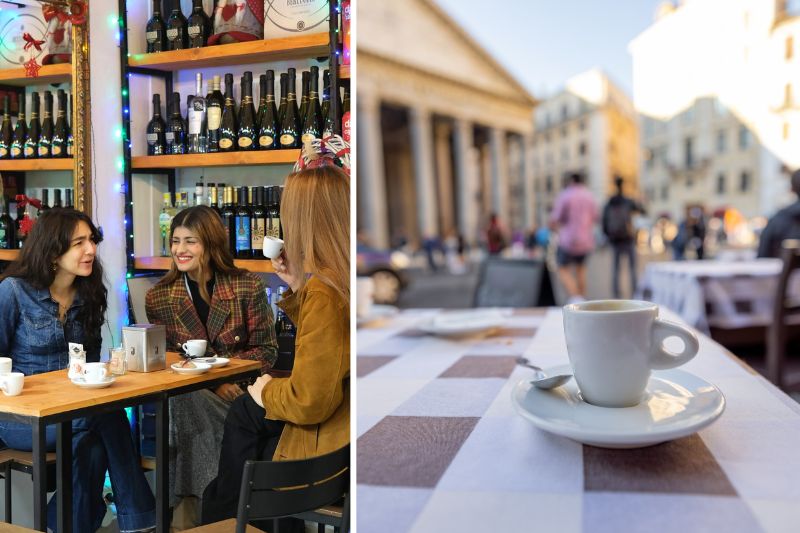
514 283
784 307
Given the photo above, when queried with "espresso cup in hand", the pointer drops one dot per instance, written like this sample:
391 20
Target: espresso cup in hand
12 383
195 347
272 247
614 344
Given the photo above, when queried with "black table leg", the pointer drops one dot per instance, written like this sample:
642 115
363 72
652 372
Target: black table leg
39 476
162 465
64 475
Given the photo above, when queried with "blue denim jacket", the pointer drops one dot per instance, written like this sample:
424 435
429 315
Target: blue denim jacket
30 332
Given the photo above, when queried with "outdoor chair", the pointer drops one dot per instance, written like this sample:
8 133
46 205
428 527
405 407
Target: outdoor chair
513 283
785 313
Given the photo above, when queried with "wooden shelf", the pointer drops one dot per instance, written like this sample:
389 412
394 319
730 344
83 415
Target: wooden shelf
261 51
47 74
218 159
164 263
23 165
344 72
11 255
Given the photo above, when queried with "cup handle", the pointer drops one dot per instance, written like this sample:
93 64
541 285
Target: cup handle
185 348
661 358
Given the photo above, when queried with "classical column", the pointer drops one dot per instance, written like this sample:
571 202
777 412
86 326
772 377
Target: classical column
466 180
422 156
372 206
528 177
444 174
498 148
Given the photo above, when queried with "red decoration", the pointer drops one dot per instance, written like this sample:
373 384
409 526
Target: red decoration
32 68
31 42
77 16
23 200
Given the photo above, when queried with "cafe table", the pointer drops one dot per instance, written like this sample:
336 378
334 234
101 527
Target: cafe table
442 448
51 398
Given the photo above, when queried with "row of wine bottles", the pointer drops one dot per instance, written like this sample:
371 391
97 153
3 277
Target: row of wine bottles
13 231
248 213
40 138
177 32
213 123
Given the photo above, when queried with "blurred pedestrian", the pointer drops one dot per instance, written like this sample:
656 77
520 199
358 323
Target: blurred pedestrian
691 234
495 236
574 216
618 228
785 224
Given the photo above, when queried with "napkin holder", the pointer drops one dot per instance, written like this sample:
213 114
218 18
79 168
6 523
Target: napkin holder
145 347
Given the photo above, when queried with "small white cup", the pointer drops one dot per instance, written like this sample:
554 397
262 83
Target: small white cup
365 289
5 365
272 247
95 372
12 383
614 344
195 347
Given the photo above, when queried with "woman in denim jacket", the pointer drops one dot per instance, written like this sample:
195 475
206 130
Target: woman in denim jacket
52 295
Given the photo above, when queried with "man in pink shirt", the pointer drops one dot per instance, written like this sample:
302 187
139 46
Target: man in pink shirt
574 216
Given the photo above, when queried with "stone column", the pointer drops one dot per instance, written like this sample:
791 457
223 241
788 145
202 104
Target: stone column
466 176
372 212
444 175
498 147
528 177
422 155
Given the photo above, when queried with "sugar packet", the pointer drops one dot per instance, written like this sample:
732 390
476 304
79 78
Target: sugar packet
77 358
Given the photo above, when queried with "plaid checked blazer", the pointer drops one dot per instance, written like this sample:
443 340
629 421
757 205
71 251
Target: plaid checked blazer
240 322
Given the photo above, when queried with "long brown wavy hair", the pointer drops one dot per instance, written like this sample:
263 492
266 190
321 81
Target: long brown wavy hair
315 215
216 258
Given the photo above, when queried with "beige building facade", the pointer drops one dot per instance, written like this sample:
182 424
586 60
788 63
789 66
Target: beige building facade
716 84
443 130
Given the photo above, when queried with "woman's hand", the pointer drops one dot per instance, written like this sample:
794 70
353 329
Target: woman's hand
228 391
281 267
257 388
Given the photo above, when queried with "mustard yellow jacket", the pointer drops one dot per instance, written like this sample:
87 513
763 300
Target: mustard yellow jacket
315 400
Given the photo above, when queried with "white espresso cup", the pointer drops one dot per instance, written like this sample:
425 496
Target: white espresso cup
614 344
12 383
272 247
195 347
95 372
5 365
365 292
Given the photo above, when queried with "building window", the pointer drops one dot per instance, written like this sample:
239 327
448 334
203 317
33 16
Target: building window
548 184
582 148
785 131
720 183
744 138
721 141
789 48
744 181
665 192
688 150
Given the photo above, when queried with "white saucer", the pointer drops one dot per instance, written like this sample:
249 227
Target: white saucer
213 361
676 404
463 323
199 368
82 383
377 312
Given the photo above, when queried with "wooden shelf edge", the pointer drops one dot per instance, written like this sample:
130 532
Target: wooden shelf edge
164 263
22 165
10 255
227 159
47 74
344 72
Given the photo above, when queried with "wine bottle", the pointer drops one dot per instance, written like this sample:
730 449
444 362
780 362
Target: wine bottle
7 233
196 141
45 200
58 146
228 215
290 126
6 132
175 134
20 132
57 199
262 98
165 221
34 129
227 138
282 104
156 128
23 223
156 30
186 117
199 26
258 222
304 96
312 125
214 104
70 140
199 193
268 127
46 137
273 213
68 199
212 197
177 36
242 221
248 129
326 93
220 196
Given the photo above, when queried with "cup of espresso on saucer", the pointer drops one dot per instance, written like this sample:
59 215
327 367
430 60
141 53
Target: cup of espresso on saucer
95 372
614 344
195 347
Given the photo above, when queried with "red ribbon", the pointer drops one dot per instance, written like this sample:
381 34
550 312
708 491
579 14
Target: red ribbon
23 200
77 14
30 41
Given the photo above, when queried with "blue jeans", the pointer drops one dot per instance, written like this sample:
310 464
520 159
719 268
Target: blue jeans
620 249
99 443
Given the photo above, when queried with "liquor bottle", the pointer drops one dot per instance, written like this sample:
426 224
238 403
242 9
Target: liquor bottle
199 26
248 128
242 221
212 197
304 95
290 126
6 132
165 221
228 215
58 146
177 36
196 141
68 199
199 193
156 128
262 98
326 93
220 196
20 132
45 200
273 213
23 223
34 129
258 222
214 103
7 233
268 127
186 117
312 125
227 138
46 137
175 134
57 199
156 30
346 114
282 103
182 201
70 140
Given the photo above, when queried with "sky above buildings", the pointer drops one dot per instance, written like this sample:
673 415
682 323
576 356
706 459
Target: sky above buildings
545 42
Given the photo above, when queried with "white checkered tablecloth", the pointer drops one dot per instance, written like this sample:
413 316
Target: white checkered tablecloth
442 449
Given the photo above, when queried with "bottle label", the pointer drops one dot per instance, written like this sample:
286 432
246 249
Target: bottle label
29 151
195 121
152 138
274 227
214 116
225 143
258 229
164 222
242 233
56 150
15 151
346 126
43 151
194 31
287 139
170 137
3 151
172 34
265 141
244 142
3 240
308 137
151 36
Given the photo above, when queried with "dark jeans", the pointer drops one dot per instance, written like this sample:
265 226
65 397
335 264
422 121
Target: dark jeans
248 436
99 443
620 249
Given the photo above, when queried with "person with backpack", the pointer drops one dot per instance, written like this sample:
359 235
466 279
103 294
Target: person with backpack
785 224
618 228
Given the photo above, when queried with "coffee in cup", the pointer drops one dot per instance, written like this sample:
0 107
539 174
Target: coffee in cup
272 247
195 347
5 365
95 372
12 383
614 344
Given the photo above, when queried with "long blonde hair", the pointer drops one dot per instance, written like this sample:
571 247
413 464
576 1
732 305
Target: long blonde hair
315 214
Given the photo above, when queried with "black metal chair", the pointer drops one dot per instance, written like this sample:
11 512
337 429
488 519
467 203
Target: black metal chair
21 461
786 312
514 283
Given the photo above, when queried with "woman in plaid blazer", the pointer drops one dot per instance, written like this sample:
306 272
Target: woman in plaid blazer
204 296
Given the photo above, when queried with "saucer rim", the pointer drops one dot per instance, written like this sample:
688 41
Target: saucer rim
196 369
108 381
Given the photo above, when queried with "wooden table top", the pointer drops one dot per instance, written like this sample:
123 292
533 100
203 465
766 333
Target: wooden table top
52 393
